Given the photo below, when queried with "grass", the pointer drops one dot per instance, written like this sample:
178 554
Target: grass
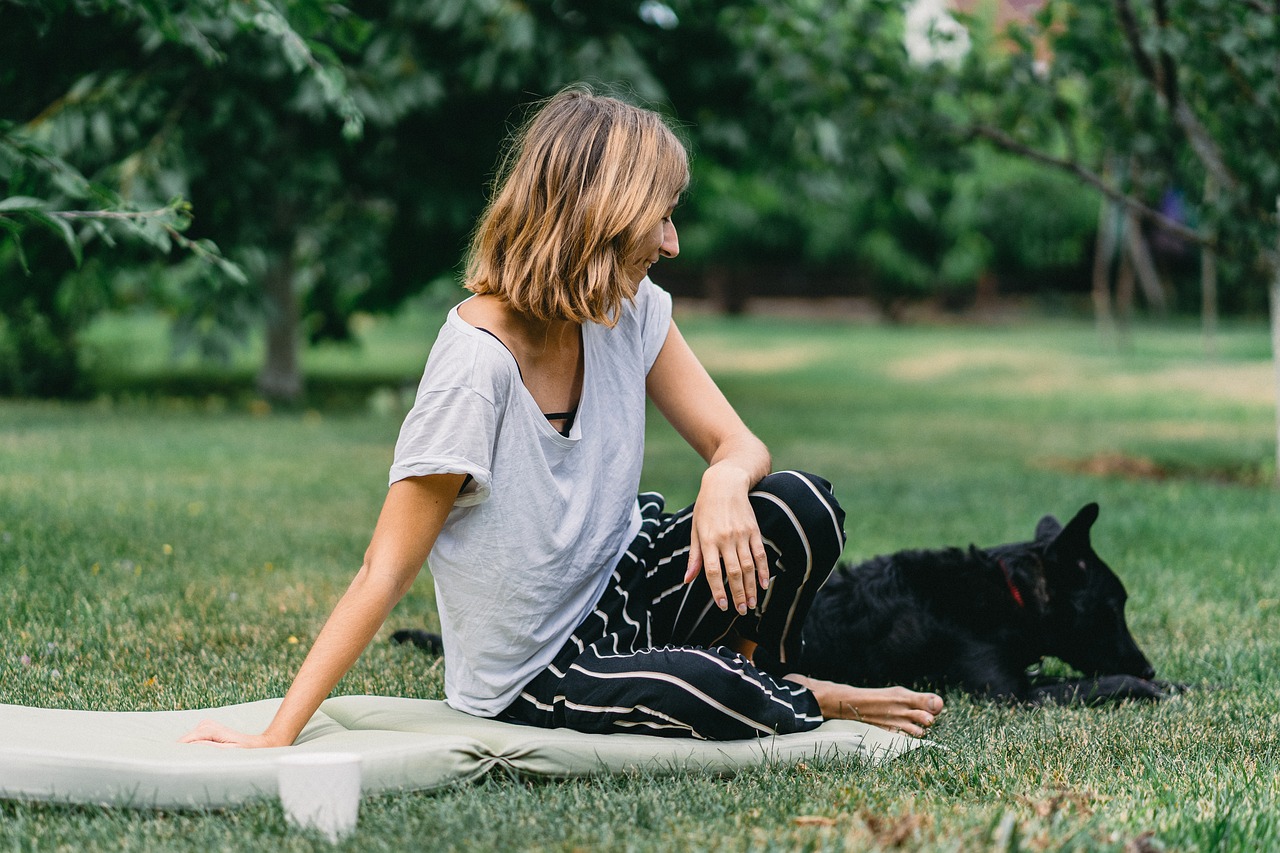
161 552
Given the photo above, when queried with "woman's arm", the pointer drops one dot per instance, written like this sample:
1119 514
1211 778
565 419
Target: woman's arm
411 519
726 540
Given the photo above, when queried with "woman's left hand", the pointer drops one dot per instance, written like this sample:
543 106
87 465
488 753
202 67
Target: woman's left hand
725 541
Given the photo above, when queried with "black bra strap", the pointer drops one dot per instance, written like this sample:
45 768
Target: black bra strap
505 347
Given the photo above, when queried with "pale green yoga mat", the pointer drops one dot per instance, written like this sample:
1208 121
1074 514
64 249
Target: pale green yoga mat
132 758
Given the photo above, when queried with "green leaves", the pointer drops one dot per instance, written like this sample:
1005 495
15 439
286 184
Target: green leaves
317 63
1184 90
17 211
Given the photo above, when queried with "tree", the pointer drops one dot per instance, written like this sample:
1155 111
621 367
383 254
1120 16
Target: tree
121 78
243 107
1188 88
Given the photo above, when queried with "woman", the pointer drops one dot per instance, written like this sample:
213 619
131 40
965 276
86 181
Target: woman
564 600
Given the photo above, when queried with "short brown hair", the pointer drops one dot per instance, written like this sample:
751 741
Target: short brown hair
579 190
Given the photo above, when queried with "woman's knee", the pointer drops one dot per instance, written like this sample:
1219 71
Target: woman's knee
809 500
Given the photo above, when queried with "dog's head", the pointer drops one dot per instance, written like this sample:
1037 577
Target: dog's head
1085 601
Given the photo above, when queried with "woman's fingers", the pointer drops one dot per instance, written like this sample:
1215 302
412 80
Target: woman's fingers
217 734
761 559
741 574
733 577
716 579
736 566
695 557
209 731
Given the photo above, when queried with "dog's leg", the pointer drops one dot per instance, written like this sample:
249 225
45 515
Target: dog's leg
428 642
1102 690
984 670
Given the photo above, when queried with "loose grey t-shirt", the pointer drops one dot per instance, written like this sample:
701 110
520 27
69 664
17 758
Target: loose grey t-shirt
531 542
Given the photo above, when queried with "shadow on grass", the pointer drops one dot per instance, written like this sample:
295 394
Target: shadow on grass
238 390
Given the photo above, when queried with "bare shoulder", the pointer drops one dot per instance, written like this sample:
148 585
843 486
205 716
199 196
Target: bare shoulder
484 312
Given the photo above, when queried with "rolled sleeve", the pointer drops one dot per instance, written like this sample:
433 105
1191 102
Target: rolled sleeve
449 431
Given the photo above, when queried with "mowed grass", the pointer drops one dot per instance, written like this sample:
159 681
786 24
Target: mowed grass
174 553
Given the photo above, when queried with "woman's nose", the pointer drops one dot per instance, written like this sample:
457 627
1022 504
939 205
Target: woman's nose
670 240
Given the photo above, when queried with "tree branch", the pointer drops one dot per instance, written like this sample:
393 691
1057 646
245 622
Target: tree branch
1003 140
1129 24
110 214
1164 76
1168 71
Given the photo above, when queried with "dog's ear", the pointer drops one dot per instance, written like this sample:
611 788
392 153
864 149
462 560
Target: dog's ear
1047 529
1073 540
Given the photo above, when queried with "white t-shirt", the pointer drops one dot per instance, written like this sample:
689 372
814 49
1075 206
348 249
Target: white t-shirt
531 542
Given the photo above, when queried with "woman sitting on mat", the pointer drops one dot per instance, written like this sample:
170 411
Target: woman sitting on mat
565 600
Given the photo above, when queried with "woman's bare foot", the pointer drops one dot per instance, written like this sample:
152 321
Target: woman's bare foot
894 708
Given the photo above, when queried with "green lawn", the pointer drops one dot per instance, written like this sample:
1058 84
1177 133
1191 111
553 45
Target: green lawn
161 552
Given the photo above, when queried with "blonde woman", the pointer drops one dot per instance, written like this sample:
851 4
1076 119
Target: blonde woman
564 599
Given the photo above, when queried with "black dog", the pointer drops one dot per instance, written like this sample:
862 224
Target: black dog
974 620
977 620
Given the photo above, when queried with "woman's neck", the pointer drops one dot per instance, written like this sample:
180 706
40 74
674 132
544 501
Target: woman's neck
548 353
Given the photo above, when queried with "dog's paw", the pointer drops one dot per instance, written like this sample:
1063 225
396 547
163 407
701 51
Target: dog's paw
428 642
1146 690
1171 688
1102 690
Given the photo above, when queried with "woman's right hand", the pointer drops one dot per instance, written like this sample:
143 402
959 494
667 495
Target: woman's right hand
217 734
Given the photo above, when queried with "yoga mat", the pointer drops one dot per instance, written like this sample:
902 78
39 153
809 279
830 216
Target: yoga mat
133 758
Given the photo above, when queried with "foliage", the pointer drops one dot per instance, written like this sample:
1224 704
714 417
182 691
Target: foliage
243 108
337 153
1181 91
1038 224
844 129
125 80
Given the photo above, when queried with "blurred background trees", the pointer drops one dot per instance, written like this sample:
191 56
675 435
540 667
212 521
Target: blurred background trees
277 167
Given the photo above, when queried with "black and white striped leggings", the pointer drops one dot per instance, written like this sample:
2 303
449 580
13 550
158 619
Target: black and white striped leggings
647 660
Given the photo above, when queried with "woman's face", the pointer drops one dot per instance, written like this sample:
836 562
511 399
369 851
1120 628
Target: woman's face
662 240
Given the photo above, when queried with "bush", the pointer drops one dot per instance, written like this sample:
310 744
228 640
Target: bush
1039 223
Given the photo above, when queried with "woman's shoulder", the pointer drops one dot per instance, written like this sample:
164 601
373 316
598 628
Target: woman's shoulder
483 311
466 356
647 314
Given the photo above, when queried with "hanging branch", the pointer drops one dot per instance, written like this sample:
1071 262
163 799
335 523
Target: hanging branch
1008 143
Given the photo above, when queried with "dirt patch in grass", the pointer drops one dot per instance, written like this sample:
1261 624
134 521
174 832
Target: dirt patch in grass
1124 466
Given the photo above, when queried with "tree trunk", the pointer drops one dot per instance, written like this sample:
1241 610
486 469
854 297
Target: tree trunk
281 377
1275 333
1209 300
725 290
1209 279
1124 300
1103 252
1143 266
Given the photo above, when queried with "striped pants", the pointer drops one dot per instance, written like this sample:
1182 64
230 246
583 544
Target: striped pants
648 660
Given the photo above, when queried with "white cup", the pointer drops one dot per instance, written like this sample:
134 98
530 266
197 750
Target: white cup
321 790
